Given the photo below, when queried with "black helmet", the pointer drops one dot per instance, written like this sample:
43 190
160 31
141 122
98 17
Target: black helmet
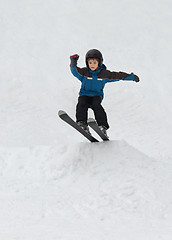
94 53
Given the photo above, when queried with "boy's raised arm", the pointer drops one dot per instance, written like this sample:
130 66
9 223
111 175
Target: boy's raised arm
73 60
76 71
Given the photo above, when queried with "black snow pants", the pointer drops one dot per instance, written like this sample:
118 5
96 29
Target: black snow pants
85 102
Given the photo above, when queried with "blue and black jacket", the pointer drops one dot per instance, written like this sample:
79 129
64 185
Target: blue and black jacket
93 82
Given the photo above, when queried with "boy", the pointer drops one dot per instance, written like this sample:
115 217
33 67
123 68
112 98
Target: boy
93 78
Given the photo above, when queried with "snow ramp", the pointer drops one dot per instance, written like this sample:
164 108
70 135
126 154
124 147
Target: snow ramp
100 191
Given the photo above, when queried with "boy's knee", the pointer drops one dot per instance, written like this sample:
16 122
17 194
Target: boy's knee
96 106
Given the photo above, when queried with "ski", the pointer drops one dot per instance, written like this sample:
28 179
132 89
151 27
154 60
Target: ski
65 117
93 124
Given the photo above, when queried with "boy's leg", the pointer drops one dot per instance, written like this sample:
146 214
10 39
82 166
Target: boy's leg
82 109
99 112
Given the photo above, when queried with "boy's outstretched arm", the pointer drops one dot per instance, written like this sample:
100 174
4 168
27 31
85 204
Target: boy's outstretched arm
112 76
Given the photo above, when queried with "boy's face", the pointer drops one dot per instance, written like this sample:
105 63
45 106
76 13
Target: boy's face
93 64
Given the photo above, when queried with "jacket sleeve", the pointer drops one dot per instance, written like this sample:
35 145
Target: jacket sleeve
117 76
129 78
78 72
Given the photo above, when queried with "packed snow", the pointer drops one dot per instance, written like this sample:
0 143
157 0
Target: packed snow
54 184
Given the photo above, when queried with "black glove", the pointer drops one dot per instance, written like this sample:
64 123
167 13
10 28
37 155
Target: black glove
74 58
136 78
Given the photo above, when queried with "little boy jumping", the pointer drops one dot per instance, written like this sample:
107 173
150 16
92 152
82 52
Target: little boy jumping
93 78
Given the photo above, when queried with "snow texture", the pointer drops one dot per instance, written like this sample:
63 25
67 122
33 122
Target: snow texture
54 184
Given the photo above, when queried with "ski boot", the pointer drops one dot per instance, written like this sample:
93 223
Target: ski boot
84 126
104 130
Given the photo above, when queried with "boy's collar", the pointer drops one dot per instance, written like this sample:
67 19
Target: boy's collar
103 67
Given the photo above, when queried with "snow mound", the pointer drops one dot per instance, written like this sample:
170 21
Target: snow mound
82 191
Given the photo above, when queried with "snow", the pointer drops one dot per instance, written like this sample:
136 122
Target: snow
54 184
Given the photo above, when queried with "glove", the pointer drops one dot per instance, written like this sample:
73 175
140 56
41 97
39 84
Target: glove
74 58
136 78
